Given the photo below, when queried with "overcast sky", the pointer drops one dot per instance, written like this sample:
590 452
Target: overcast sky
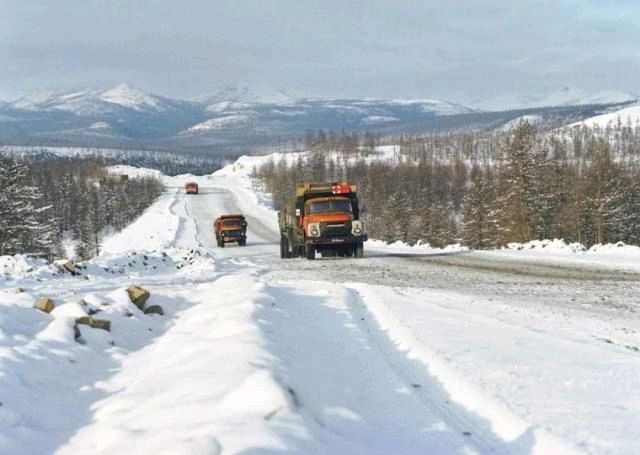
451 49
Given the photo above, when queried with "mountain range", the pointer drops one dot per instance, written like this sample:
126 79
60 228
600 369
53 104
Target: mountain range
238 118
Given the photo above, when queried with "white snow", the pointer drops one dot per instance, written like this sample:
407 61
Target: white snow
230 98
134 172
626 116
217 123
130 97
516 122
375 119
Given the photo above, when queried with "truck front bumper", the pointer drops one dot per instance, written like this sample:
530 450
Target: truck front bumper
341 240
231 239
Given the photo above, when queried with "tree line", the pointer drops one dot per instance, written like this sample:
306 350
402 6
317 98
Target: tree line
47 205
168 162
484 188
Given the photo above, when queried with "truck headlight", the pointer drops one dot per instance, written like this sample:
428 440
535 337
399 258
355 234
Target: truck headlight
357 228
314 229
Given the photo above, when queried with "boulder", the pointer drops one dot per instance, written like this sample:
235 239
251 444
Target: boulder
65 265
103 324
84 320
94 323
45 304
138 296
19 290
154 309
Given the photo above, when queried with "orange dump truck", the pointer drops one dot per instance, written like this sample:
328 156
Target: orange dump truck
191 188
324 218
230 228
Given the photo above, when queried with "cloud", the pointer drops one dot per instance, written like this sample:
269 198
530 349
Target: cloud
391 48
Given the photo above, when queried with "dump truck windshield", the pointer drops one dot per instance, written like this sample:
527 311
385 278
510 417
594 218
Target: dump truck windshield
329 206
231 223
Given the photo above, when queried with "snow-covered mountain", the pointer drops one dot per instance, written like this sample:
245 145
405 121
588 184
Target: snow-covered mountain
235 109
118 114
564 96
97 102
241 118
241 97
228 116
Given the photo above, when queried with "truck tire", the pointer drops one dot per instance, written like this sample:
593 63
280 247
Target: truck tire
221 244
242 242
359 251
283 247
311 252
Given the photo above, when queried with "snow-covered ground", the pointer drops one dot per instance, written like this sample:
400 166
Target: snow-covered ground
531 349
628 116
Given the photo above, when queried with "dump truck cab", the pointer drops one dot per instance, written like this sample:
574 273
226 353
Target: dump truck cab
230 228
322 217
327 210
191 188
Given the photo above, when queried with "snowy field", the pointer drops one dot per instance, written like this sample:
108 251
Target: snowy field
534 349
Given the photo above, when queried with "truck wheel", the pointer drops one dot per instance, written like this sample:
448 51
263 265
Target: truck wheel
283 247
359 252
221 243
242 242
349 251
311 252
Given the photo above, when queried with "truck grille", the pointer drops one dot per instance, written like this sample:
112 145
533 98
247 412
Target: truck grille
237 233
335 229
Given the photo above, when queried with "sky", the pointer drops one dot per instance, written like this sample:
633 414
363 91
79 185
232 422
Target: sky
463 51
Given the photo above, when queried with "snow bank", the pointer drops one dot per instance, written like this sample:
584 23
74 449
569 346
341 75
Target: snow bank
50 377
552 246
157 229
420 247
215 392
617 256
20 266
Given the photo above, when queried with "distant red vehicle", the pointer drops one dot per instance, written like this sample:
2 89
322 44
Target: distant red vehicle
191 188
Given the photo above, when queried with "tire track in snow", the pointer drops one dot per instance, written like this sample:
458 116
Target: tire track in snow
424 386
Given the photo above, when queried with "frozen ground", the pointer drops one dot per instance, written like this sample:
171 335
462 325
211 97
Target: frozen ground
529 350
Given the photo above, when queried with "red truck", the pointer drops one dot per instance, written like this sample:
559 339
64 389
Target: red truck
230 228
191 188
322 217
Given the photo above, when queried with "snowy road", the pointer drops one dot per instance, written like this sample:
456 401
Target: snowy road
397 353
522 309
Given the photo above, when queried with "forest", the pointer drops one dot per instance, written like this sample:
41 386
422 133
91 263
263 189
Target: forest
484 189
166 161
45 206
